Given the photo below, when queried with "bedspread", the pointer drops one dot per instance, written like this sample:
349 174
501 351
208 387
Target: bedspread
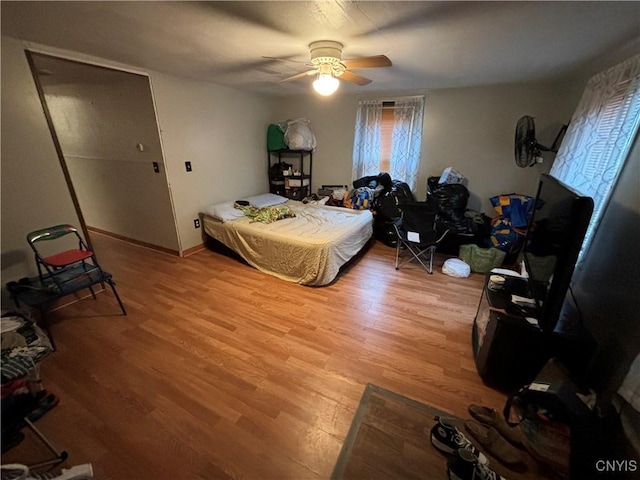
308 249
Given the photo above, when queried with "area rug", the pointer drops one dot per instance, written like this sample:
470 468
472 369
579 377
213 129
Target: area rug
389 438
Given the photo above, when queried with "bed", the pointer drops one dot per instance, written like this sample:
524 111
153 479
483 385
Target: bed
308 249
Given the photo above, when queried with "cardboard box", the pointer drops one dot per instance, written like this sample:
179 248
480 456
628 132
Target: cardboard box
449 175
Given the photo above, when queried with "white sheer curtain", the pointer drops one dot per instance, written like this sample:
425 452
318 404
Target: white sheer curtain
366 143
600 135
406 139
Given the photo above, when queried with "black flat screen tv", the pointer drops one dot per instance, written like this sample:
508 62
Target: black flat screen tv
552 244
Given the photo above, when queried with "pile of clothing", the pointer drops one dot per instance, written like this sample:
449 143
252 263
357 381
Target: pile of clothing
508 229
24 346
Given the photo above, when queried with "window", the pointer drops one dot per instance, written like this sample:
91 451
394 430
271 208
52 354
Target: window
599 137
386 135
388 138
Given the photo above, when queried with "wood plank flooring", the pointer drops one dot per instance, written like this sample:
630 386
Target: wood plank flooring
221 371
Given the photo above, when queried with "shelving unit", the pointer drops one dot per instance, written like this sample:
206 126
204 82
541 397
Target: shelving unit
295 187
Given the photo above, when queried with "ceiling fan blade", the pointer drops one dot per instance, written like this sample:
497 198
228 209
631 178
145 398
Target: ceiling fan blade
368 62
353 78
285 60
299 75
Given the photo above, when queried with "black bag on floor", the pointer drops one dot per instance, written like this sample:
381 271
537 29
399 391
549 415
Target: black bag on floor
386 211
373 181
451 199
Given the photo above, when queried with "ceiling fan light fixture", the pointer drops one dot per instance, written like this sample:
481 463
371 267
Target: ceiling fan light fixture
326 84
328 66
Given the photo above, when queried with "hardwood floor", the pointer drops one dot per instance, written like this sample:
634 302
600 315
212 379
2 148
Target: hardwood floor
221 371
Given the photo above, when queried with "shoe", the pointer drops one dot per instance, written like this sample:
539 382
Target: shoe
493 443
491 418
466 466
79 472
14 471
46 403
448 439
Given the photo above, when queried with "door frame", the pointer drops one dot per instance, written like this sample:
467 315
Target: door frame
29 51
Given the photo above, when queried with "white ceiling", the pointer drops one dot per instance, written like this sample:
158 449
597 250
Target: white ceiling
431 44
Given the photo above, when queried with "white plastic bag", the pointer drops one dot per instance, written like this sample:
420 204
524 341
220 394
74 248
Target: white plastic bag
299 135
454 267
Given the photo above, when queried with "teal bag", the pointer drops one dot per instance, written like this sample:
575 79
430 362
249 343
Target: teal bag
275 137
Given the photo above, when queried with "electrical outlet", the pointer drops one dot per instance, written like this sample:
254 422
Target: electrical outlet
187 166
196 223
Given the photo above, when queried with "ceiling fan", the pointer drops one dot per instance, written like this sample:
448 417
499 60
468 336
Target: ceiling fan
327 64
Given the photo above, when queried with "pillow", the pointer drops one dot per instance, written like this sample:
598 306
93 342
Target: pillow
225 212
266 200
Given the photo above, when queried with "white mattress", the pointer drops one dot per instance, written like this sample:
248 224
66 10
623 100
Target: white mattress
308 249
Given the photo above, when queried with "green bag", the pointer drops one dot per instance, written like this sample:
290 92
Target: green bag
275 137
481 260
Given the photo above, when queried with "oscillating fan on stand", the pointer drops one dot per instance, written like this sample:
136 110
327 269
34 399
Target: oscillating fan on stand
528 151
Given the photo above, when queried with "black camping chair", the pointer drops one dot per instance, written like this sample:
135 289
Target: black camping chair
417 233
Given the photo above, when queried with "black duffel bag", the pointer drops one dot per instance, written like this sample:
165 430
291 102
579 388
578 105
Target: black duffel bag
386 211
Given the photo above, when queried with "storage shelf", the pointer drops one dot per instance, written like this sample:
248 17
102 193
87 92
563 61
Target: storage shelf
295 187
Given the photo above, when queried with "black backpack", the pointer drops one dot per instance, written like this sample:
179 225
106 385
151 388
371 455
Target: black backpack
386 211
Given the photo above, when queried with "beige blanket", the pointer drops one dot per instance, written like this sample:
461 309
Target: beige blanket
308 249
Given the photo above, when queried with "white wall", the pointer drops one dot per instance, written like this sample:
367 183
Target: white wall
473 130
470 129
99 125
34 192
222 131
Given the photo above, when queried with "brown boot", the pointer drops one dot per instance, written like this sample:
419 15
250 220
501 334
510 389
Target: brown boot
491 418
491 441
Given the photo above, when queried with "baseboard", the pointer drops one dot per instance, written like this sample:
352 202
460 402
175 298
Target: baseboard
135 242
192 250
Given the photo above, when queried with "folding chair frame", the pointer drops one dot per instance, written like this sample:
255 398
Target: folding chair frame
417 250
59 280
51 267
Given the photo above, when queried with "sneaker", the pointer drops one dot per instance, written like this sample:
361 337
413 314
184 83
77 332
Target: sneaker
467 466
448 439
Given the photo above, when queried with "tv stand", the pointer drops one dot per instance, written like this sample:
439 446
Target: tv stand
510 348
